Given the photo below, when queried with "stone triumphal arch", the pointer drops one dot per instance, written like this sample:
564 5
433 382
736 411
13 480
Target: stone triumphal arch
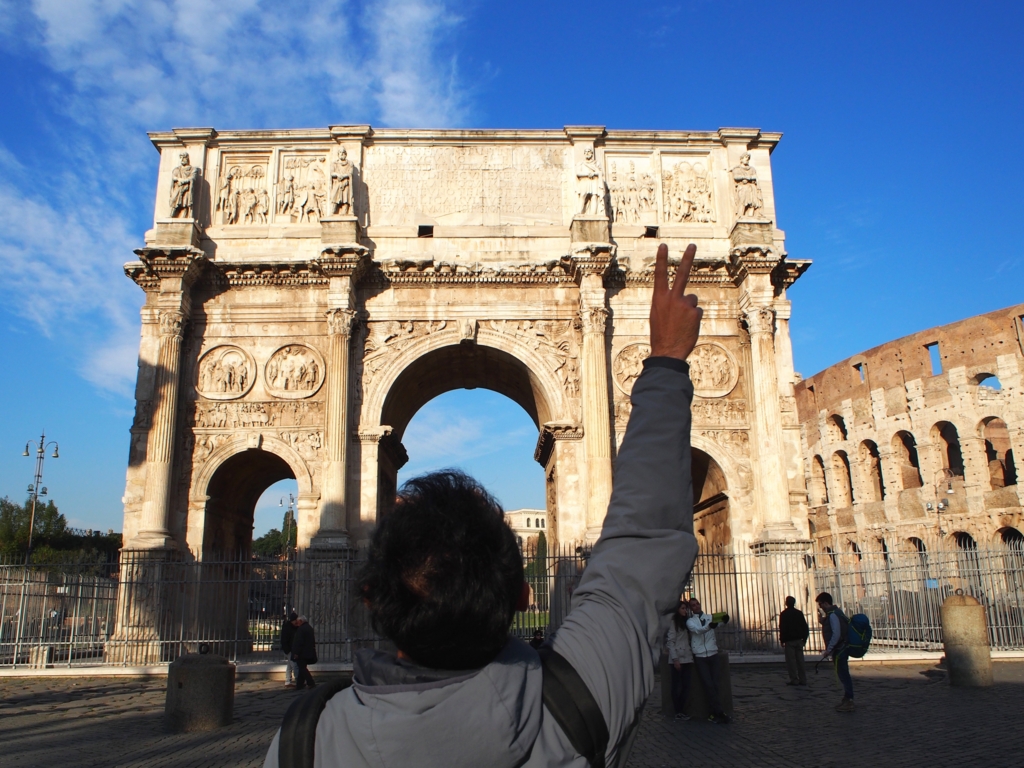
307 291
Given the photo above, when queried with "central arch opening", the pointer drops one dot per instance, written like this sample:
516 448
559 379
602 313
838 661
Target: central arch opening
233 492
476 408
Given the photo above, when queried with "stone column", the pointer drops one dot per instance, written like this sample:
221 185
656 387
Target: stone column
776 518
333 523
166 274
597 435
977 480
155 532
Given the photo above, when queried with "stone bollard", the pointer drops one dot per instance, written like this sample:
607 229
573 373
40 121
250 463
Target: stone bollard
40 656
965 640
200 693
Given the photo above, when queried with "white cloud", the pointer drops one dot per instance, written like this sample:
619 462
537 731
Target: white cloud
128 66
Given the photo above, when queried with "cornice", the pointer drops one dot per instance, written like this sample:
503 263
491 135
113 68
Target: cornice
184 263
702 273
429 272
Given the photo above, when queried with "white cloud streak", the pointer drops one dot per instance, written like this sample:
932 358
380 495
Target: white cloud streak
123 67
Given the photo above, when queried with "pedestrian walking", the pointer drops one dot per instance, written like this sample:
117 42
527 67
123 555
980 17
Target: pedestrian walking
705 656
304 652
680 659
834 625
538 639
793 634
287 634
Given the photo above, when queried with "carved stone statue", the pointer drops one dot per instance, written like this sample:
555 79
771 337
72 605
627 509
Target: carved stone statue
341 185
183 180
749 201
590 186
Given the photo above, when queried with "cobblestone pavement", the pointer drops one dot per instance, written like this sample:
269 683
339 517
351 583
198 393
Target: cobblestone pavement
907 715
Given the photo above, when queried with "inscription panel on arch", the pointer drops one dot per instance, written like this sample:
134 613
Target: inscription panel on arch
465 185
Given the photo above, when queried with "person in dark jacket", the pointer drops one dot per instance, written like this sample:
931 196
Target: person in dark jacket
304 652
287 633
833 629
793 634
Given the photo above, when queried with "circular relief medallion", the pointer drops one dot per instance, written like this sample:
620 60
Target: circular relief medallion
294 372
628 365
713 370
225 373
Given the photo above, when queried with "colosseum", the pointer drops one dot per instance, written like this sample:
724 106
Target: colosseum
917 443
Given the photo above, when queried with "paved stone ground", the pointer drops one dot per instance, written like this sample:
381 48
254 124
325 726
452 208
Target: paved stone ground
907 715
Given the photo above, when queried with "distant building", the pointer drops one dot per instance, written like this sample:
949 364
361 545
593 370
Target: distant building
527 523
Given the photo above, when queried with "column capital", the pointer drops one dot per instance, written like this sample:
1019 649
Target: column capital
340 322
594 319
172 323
760 320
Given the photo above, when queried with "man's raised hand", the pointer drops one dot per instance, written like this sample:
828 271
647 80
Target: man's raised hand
675 316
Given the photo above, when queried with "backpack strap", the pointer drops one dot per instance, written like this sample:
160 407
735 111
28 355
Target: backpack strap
298 731
573 706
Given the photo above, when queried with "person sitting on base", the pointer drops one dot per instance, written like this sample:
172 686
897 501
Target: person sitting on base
833 630
444 577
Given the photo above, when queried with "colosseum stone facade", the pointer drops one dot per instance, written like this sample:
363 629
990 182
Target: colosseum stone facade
919 442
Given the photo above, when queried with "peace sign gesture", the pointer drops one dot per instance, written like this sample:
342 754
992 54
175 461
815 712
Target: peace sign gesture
675 316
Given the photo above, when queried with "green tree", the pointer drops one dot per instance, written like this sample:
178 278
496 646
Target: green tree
50 529
273 543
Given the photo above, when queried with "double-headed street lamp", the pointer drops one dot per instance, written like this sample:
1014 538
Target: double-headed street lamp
34 490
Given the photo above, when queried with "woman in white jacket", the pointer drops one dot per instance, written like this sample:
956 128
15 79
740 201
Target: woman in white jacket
680 658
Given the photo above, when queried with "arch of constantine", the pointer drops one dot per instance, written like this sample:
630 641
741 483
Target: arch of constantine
919 443
307 291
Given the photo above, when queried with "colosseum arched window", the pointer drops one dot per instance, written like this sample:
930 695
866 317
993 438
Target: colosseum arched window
819 487
872 467
946 436
836 427
1002 469
842 479
904 446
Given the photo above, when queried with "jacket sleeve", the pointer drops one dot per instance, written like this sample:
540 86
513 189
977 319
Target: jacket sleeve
836 627
697 626
622 606
670 642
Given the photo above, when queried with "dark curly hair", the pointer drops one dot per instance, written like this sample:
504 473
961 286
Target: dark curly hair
444 573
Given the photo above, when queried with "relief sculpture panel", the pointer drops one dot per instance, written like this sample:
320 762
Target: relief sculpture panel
294 371
633 189
225 372
688 190
303 187
465 185
242 197
713 370
261 414
629 364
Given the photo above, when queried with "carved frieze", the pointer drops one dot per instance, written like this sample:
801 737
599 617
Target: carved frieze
225 372
629 364
273 413
294 372
385 340
688 191
735 441
302 187
713 370
556 340
465 185
143 414
306 443
719 412
242 195
633 190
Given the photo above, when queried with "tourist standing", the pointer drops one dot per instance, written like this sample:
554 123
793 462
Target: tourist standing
793 634
304 652
680 659
287 634
705 656
833 629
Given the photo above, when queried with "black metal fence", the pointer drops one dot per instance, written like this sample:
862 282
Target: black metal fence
144 609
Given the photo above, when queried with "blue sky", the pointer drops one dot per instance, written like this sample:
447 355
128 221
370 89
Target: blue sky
895 173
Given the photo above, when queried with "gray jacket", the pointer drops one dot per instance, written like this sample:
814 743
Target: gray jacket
398 714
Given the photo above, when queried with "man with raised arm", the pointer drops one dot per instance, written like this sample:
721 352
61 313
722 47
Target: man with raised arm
444 577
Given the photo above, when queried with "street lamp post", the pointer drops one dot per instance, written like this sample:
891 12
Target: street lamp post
37 488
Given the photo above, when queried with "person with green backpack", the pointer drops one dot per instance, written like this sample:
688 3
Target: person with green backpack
834 629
